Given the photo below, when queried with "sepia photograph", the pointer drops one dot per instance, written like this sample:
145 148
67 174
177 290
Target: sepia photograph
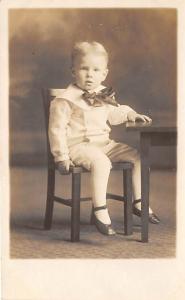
91 159
67 145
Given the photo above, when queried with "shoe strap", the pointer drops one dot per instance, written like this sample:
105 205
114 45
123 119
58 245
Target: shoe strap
136 201
100 207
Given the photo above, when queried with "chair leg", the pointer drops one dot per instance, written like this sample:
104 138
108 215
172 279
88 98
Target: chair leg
92 219
75 210
127 184
49 201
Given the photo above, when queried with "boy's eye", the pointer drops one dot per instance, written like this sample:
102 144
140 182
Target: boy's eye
83 68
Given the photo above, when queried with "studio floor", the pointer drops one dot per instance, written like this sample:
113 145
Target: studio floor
28 239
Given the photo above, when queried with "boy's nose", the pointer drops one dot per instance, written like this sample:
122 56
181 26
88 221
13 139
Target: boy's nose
89 73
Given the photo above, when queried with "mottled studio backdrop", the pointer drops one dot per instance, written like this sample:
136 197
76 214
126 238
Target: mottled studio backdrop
142 48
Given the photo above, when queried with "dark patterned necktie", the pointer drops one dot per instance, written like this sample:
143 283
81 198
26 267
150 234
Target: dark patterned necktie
98 99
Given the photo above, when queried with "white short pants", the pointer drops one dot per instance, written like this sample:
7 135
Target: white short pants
85 154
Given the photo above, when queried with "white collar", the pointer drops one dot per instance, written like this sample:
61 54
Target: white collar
74 94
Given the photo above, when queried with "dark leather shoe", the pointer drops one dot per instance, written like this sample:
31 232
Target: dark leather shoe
105 229
152 217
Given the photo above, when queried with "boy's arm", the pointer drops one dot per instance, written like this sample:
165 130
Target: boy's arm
119 115
60 112
124 113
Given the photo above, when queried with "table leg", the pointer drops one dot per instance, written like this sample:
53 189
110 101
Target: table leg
144 148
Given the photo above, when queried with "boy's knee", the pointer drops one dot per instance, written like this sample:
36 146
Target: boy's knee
135 156
90 157
101 163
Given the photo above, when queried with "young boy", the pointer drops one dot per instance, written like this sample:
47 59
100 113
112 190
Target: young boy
79 133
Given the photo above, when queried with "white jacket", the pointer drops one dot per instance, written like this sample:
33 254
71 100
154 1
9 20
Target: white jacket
73 121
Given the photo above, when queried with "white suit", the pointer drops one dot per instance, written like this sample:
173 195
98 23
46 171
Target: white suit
80 132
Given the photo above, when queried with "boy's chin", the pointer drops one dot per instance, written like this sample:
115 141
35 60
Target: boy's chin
87 87
90 89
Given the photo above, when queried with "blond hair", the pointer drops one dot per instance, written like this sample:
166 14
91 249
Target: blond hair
83 48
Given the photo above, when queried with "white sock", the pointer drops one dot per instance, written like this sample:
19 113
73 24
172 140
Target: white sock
103 216
138 205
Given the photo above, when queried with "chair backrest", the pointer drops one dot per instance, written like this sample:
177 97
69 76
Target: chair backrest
48 95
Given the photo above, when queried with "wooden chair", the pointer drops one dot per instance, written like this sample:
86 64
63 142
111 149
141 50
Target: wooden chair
74 203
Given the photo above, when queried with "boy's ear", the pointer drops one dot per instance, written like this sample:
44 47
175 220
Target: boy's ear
72 72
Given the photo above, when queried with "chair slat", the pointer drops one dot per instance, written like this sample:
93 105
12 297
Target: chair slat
55 92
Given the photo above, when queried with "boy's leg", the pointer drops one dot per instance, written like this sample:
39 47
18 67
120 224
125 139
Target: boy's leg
122 152
92 158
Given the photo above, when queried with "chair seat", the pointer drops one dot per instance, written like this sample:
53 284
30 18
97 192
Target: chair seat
115 166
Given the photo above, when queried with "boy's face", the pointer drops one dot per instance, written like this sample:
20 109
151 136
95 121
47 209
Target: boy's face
90 71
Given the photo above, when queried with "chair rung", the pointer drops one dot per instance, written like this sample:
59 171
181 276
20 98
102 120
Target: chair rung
115 197
86 199
68 202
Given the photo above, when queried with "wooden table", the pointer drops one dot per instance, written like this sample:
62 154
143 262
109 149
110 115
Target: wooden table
157 133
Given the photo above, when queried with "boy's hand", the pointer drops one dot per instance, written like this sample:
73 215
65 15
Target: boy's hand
133 117
63 166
